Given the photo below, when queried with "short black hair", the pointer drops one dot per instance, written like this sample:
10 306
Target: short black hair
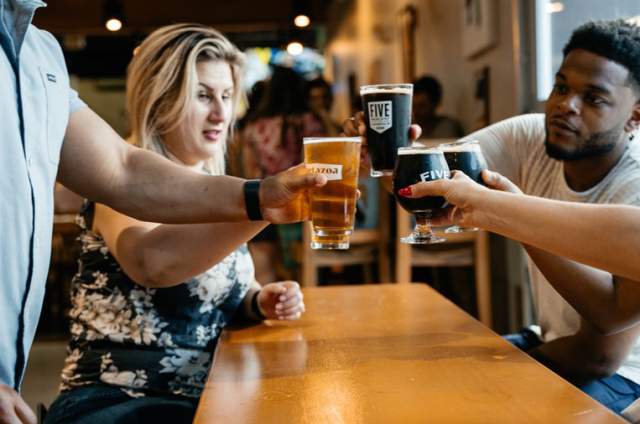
617 40
430 86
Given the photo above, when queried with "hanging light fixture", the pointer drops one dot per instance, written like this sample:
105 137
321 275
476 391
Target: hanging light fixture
301 21
294 48
113 15
301 15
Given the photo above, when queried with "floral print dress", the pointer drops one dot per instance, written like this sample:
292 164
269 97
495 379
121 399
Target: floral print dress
147 340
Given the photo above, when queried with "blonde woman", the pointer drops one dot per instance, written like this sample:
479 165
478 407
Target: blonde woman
149 300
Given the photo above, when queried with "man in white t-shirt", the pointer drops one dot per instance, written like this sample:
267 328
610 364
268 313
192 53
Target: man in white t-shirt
580 150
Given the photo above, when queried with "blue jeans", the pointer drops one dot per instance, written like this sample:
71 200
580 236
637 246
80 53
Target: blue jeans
100 403
615 392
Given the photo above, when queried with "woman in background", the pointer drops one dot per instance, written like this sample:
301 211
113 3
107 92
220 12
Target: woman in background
271 140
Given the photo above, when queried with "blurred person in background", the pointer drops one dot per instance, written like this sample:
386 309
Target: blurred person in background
271 141
319 99
427 96
149 301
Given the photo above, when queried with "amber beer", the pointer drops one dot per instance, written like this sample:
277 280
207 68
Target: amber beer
333 206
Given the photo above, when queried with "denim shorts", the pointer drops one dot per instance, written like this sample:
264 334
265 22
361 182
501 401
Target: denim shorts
615 392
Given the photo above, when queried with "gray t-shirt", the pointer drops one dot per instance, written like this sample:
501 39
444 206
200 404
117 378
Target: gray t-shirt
515 148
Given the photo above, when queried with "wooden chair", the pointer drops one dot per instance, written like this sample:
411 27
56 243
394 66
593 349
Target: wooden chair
461 249
368 246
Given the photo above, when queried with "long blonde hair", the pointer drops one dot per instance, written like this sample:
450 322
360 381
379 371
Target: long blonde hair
162 80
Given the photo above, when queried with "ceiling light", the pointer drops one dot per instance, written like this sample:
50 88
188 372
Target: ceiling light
294 48
113 24
113 15
302 21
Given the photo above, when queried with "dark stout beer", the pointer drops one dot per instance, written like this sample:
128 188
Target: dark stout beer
417 164
387 112
466 157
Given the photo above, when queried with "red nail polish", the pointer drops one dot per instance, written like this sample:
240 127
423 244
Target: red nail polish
406 191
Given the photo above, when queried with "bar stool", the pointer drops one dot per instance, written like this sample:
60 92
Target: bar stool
461 249
368 246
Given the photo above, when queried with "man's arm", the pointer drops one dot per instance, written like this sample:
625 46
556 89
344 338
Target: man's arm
96 163
593 293
587 355
599 297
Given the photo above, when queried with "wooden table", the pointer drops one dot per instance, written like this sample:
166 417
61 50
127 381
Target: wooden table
384 354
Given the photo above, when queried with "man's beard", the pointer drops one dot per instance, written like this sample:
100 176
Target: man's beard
592 147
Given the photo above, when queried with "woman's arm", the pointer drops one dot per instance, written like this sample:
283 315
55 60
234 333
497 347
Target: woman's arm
600 236
156 255
603 236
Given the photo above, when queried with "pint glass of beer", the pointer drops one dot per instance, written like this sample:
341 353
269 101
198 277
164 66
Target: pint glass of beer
417 164
333 206
467 157
387 113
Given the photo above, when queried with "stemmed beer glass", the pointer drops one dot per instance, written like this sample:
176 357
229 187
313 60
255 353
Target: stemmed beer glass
415 164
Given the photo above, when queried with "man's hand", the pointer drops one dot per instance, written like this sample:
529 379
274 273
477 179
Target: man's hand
284 197
356 127
282 300
13 409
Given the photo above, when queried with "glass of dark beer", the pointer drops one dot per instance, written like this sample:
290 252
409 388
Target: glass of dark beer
387 113
415 164
465 156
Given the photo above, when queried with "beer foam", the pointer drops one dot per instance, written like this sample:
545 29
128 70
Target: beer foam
372 89
418 151
314 140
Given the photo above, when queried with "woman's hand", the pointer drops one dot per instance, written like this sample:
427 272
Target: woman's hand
462 194
281 300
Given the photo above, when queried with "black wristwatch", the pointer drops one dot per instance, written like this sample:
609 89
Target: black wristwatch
252 200
255 309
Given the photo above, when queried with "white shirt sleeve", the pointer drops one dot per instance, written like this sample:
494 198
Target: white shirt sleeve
75 102
507 144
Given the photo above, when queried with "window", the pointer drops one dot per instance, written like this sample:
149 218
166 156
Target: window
555 20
